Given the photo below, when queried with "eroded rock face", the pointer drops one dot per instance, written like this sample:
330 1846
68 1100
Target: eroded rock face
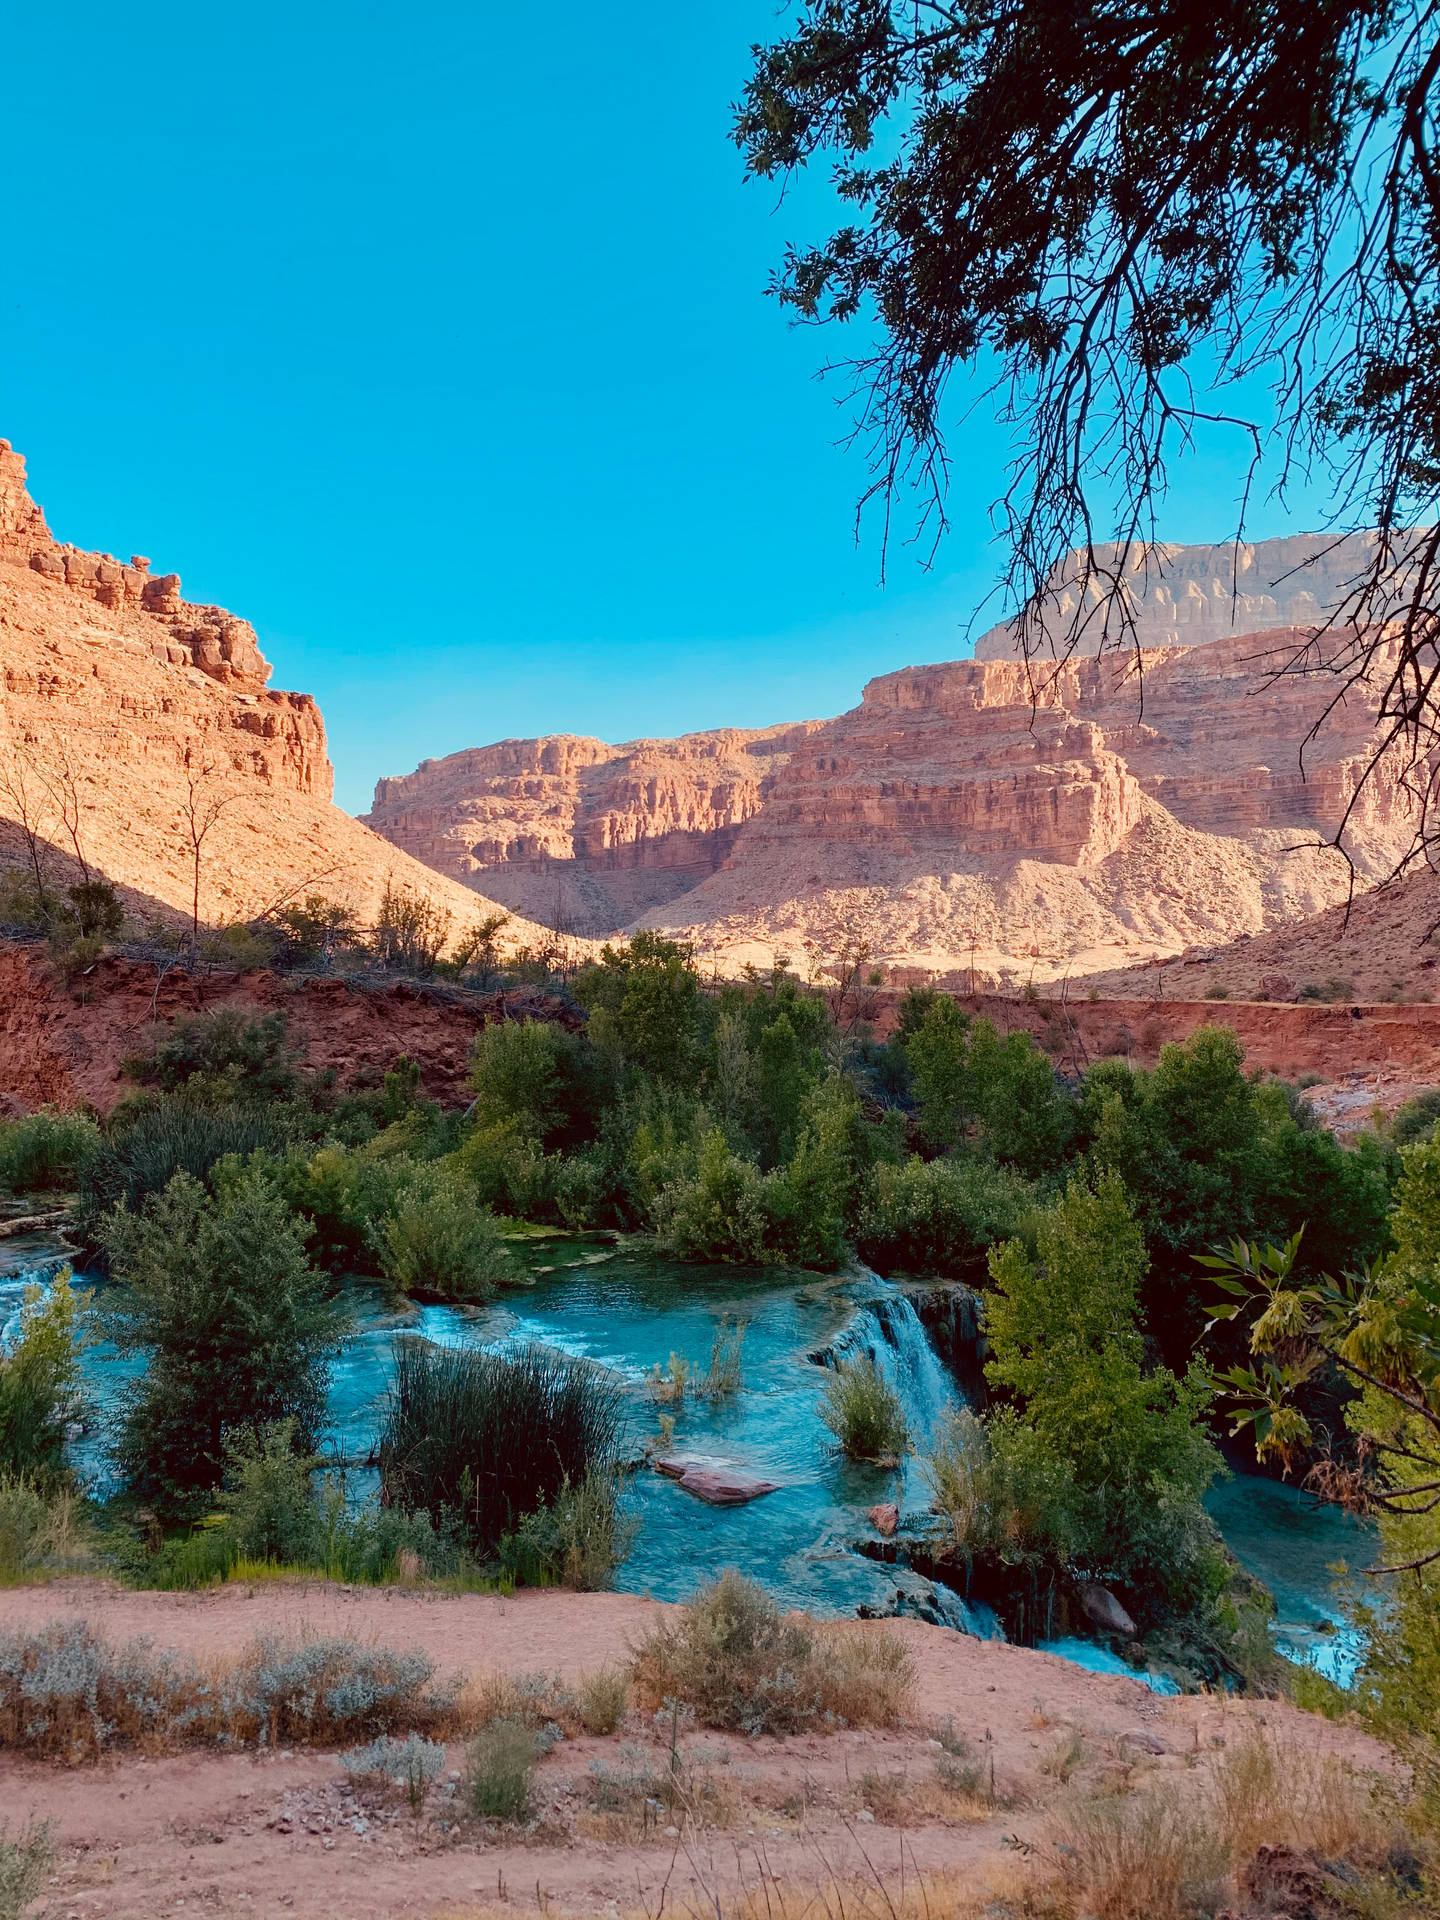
974 816
1185 596
108 676
209 638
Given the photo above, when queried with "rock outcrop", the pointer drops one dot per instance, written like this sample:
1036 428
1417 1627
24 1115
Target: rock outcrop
970 815
122 704
1174 596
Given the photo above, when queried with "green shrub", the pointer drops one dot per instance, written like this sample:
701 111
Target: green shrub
506 1170
40 1381
1416 1119
535 1075
722 1212
43 1531
1000 1490
501 1763
439 1243
45 1149
733 1657
602 1697
488 1438
863 1411
26 1863
268 1501
576 1540
221 1296
938 1216
146 1147
223 1055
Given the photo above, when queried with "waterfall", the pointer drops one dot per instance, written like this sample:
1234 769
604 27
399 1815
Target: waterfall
891 1333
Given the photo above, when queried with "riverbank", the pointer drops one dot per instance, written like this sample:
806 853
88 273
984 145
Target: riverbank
278 1834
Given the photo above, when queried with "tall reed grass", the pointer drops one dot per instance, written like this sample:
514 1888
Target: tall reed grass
490 1438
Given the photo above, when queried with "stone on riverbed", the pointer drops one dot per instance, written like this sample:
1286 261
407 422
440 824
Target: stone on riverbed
1105 1611
885 1518
713 1479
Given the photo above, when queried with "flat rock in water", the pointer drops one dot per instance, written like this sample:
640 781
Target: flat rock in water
677 1465
724 1487
885 1518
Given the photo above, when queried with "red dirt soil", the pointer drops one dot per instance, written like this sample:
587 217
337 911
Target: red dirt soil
62 1045
263 1835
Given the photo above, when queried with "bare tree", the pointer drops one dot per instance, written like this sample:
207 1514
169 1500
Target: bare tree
62 783
206 799
29 798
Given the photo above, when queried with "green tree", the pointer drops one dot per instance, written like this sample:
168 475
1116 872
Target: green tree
939 1054
1066 1346
531 1072
221 1298
643 1001
40 1381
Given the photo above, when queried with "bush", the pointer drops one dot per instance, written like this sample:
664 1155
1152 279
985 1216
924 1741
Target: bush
506 1170
490 1438
733 1657
722 1212
67 1693
145 1148
26 1863
535 1075
863 1411
439 1244
219 1293
502 1760
220 1056
1151 1856
43 1149
938 1216
40 1382
42 1532
268 1502
412 1763
576 1540
1000 1490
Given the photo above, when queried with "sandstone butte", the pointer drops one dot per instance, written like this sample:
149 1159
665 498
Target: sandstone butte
972 821
120 690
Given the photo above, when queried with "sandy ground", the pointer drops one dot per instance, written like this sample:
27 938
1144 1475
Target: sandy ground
283 1834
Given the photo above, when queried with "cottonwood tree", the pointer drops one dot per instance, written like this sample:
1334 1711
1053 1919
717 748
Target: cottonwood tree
1126 221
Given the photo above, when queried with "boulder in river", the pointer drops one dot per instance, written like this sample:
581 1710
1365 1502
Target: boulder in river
1104 1611
885 1518
724 1486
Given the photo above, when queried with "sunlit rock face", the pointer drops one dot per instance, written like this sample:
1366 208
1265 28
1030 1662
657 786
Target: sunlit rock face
1003 819
109 677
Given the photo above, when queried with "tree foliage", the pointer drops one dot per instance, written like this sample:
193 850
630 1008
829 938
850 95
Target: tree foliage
1117 216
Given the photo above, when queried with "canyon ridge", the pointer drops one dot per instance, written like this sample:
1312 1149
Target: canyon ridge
127 715
983 819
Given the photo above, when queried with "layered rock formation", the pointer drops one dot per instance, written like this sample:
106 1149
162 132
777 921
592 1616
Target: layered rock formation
1174 596
123 706
965 816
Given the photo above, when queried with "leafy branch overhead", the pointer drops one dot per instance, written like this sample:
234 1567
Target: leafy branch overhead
1127 221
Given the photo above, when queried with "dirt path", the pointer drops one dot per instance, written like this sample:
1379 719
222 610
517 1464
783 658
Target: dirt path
282 1834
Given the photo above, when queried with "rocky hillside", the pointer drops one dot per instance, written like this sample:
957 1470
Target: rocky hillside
967 816
121 704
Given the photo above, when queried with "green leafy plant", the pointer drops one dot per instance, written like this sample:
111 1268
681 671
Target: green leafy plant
501 1764
863 1411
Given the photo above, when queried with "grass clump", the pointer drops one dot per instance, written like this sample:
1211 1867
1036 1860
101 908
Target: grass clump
26 1863
501 1765
576 1540
738 1662
45 1149
490 1438
43 1532
863 1411
68 1693
595 1703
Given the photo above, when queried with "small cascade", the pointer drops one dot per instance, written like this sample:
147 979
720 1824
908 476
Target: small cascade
15 1284
889 1332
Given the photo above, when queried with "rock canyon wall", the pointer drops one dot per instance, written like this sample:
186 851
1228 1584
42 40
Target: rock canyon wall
117 697
971 815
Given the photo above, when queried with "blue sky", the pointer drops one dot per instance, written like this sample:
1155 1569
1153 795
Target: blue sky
433 341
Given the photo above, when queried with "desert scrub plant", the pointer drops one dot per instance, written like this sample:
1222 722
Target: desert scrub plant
414 1764
68 1693
43 1149
1141 1856
863 1411
440 1243
602 1697
43 1531
501 1764
576 1540
733 1657
1274 1792
26 1863
489 1438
